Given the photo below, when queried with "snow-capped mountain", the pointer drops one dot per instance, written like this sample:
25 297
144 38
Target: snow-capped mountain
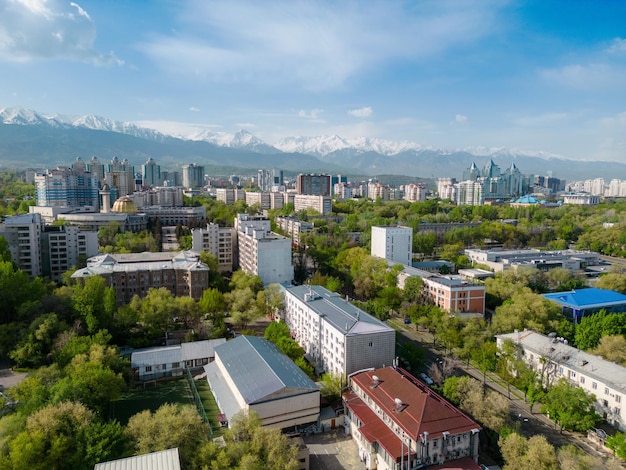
241 139
322 146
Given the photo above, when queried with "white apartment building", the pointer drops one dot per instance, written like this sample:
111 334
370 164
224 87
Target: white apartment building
64 247
393 243
262 252
415 192
215 240
23 233
260 198
553 359
470 193
293 227
581 199
322 204
229 195
337 336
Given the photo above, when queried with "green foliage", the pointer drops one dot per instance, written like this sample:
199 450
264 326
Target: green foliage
332 386
617 443
520 452
593 327
570 407
112 240
527 310
275 331
34 350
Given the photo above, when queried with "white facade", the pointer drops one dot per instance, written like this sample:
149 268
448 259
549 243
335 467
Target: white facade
552 359
64 247
262 252
393 243
23 233
337 336
415 192
322 204
215 240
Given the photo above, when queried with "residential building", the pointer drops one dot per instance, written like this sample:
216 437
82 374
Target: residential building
337 337
415 192
250 374
294 227
64 247
398 422
314 184
580 303
271 180
67 187
262 252
260 198
171 361
553 359
394 243
321 204
120 176
441 228
23 234
135 273
151 174
470 193
229 195
166 196
215 240
193 176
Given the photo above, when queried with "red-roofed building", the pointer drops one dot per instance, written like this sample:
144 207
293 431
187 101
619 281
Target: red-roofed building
400 423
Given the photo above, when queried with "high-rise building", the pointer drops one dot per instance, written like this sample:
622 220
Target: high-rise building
151 173
215 240
469 193
23 233
64 247
262 252
67 187
314 184
120 176
193 176
393 243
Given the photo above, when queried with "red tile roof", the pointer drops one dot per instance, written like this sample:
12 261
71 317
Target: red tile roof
466 463
422 409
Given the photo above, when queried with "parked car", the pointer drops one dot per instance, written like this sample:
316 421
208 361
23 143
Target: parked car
430 382
407 321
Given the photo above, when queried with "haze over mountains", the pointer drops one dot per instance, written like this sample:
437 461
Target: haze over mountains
32 139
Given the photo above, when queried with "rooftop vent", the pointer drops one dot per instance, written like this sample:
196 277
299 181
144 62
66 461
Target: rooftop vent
399 405
375 381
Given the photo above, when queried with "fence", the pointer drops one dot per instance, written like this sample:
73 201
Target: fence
198 400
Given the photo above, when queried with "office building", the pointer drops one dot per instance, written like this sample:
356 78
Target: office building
151 174
193 176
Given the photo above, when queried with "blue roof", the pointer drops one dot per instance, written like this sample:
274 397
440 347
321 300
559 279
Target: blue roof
587 298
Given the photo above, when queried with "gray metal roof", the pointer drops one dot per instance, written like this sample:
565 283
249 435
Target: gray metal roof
259 370
200 349
587 364
344 316
161 460
154 356
225 397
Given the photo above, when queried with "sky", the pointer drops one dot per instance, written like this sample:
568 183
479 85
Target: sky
532 75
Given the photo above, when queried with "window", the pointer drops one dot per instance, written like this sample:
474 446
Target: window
371 344
148 368
618 398
606 390
594 386
582 380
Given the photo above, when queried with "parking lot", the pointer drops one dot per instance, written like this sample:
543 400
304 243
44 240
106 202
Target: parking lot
332 450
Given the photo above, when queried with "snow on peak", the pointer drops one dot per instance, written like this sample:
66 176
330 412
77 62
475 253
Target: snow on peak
327 144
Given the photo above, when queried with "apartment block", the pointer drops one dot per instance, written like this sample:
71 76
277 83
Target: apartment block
215 240
314 184
553 359
23 234
337 336
393 243
321 204
183 274
64 247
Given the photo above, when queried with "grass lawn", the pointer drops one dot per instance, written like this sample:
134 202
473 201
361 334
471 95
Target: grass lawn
210 406
151 398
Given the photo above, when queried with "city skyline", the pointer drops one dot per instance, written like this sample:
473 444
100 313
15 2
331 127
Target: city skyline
527 75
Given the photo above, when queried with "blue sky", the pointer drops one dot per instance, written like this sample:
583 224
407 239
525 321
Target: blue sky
534 75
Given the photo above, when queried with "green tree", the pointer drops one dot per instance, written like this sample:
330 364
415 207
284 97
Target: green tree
276 330
95 303
519 452
612 348
169 426
570 407
612 281
485 357
243 306
592 328
527 310
332 386
156 310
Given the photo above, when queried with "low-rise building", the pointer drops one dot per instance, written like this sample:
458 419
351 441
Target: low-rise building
176 215
500 260
579 303
161 460
183 274
171 361
250 374
336 336
553 359
398 422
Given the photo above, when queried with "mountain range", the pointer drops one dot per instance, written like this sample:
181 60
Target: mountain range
32 139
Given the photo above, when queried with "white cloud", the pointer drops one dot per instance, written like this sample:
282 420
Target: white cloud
541 120
312 114
48 29
618 45
194 109
314 45
364 112
460 119
590 76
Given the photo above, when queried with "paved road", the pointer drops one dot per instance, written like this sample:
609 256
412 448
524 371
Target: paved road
332 450
530 423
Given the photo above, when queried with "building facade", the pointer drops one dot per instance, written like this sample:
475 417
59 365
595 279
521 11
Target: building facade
337 336
68 187
393 243
398 422
553 359
314 184
215 240
135 273
193 176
